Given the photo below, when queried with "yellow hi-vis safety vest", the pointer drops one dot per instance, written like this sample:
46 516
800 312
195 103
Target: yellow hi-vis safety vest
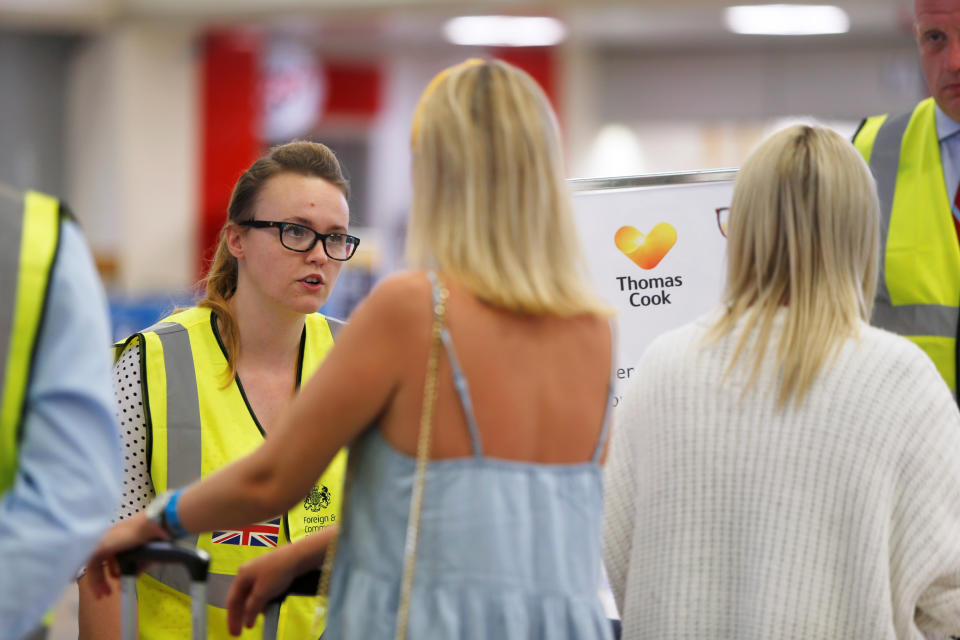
918 292
196 425
29 237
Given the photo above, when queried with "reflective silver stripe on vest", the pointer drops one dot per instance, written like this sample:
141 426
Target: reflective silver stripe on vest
184 433
335 326
916 319
218 587
184 451
11 235
885 163
218 584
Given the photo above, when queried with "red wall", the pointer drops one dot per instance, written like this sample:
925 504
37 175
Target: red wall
541 63
230 113
354 90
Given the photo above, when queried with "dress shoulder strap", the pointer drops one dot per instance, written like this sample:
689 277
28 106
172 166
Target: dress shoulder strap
606 413
459 380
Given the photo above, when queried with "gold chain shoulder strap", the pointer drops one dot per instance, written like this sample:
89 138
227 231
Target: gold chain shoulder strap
424 438
323 588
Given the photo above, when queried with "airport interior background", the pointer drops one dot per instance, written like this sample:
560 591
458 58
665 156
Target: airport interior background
141 114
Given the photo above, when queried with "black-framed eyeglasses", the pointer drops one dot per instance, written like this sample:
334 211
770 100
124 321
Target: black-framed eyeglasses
723 217
300 238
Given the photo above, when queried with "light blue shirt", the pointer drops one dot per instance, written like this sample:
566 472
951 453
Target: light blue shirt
68 480
947 134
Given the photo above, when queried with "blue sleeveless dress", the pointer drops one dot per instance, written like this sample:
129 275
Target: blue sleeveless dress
508 550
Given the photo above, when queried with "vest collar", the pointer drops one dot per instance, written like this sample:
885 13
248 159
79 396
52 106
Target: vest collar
946 126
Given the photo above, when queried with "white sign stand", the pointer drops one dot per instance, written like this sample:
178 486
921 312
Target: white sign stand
654 250
656 254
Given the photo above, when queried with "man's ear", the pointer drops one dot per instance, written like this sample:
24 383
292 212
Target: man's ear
234 237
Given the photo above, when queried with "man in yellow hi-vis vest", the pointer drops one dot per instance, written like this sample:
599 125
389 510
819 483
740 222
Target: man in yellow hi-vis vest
915 158
59 450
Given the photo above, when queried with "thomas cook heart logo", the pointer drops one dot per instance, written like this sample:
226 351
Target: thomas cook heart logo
646 251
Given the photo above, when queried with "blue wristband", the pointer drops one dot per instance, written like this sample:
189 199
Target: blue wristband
170 517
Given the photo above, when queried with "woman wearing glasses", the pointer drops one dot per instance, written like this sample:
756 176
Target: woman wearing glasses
779 468
511 508
205 386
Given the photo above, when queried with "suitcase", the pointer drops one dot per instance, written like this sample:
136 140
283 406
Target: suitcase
197 564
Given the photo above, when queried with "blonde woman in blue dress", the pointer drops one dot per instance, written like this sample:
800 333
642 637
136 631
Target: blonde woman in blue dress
510 529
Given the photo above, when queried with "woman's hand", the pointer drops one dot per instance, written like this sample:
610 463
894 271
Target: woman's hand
127 534
258 582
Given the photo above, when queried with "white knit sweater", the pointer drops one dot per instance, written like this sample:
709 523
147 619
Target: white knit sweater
727 518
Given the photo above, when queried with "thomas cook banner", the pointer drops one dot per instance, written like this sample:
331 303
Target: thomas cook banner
655 251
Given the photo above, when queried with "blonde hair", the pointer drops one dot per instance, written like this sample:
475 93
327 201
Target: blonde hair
490 204
804 235
300 157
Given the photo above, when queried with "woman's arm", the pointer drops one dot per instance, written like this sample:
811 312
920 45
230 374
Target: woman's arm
345 395
352 387
265 578
99 618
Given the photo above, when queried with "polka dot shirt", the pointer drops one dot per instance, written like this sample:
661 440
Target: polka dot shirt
137 486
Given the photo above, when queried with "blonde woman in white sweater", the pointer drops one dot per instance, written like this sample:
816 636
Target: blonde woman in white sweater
780 468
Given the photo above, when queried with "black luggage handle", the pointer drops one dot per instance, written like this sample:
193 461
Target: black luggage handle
197 564
195 561
305 584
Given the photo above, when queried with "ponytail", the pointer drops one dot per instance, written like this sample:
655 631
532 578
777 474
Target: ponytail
219 286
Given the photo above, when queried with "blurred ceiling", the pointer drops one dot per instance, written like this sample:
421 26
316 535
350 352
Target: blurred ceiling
635 24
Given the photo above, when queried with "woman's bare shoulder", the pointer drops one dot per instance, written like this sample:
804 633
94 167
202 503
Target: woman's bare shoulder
404 284
405 289
398 298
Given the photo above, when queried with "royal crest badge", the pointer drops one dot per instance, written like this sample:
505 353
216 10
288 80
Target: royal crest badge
318 499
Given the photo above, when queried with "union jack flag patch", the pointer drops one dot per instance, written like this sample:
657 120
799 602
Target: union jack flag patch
264 534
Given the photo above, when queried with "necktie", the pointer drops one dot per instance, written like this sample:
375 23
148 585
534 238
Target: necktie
956 203
956 351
